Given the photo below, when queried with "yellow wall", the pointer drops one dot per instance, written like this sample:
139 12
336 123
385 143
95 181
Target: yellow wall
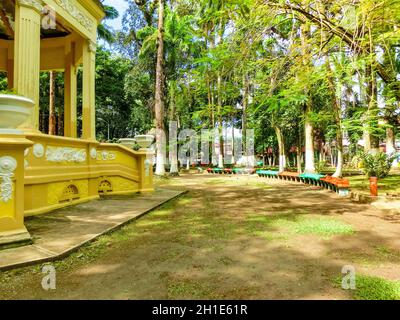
12 187
50 169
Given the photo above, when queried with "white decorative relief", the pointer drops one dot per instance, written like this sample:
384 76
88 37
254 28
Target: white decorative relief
68 6
59 154
93 153
7 168
92 46
38 150
106 155
36 4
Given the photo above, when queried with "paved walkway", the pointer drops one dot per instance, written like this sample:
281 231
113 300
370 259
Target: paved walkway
57 234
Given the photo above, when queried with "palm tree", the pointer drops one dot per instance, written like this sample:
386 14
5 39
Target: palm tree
181 47
159 94
103 31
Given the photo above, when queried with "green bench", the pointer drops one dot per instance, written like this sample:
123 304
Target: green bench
267 173
218 170
312 178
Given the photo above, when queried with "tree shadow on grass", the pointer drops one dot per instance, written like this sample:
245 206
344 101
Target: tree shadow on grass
221 243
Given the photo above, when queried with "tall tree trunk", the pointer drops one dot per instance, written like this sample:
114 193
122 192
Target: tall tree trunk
363 100
338 120
298 160
308 127
249 158
233 141
220 124
372 101
219 92
299 152
281 146
309 142
391 143
210 101
173 147
52 99
244 116
340 161
372 112
390 140
159 92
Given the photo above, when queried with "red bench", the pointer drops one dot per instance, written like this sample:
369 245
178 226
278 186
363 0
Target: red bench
337 184
290 176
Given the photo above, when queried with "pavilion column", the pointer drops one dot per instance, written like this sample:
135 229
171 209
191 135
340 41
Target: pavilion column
10 68
70 93
88 93
27 55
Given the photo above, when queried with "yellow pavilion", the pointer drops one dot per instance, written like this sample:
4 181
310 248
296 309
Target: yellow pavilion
39 172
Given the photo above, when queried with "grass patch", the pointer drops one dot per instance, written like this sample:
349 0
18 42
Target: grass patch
390 184
188 289
218 181
385 253
185 200
323 226
295 223
374 255
373 288
270 236
260 185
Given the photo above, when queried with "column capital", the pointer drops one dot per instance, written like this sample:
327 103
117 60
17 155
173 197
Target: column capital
33 4
92 46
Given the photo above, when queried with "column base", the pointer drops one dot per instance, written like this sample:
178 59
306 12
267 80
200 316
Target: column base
11 132
149 190
14 238
28 131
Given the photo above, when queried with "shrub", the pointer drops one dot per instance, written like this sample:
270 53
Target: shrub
8 91
377 165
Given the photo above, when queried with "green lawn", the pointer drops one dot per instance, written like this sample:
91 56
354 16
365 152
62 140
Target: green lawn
390 184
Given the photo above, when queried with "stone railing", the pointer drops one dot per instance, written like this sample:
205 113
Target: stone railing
64 171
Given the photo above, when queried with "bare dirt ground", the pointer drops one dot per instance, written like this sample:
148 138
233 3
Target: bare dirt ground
228 238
